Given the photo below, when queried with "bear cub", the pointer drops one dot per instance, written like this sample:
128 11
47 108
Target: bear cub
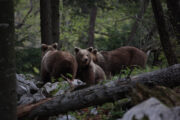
88 71
55 63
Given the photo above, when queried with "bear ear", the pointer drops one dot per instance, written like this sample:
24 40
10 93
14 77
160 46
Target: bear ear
55 45
76 49
94 51
90 49
44 47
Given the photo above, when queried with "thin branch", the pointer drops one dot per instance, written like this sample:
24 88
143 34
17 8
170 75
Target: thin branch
18 26
101 33
139 17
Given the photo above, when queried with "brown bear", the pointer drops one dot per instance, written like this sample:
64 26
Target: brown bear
88 71
56 63
113 61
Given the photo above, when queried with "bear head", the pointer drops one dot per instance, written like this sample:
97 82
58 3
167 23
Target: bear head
45 48
83 56
94 55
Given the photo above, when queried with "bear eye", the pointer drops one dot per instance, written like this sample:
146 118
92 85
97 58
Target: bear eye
81 55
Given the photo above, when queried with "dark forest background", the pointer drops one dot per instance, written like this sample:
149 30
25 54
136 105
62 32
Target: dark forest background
150 25
104 24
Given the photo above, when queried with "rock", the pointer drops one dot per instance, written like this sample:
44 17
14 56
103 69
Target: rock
64 117
22 89
25 85
94 111
25 99
76 83
39 95
176 112
152 109
64 85
28 92
20 77
60 92
49 87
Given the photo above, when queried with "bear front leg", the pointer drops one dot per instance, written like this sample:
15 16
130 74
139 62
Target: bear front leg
45 76
90 78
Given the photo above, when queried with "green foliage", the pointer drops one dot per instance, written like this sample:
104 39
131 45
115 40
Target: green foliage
28 60
53 79
116 114
107 111
69 75
36 70
61 86
113 25
60 79
166 95
147 69
136 71
29 33
116 38
114 21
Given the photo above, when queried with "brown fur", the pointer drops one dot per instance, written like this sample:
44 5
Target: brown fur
113 61
88 71
56 63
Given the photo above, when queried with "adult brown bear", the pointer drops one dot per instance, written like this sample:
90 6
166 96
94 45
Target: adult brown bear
113 61
56 63
88 71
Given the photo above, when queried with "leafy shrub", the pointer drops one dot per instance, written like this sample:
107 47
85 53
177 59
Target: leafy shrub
28 60
116 38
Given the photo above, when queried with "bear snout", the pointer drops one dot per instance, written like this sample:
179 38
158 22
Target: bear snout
85 60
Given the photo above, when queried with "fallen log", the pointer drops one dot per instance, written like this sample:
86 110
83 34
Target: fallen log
102 93
24 109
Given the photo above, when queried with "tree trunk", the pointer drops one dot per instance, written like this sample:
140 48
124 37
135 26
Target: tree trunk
45 15
55 20
156 54
144 5
100 94
163 33
92 22
174 13
7 61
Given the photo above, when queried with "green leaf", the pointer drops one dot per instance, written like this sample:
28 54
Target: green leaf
36 70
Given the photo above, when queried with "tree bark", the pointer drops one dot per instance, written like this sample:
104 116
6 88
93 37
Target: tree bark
163 33
46 26
144 5
174 13
7 61
109 92
156 54
92 22
55 20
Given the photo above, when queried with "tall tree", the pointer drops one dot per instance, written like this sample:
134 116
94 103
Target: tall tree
92 21
55 20
174 13
46 25
7 61
143 6
89 7
163 33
